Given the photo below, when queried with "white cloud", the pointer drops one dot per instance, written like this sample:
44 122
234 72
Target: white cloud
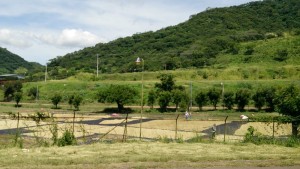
15 38
71 38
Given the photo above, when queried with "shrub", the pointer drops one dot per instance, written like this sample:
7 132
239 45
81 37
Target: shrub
228 100
259 99
242 98
281 55
56 99
32 93
201 100
67 138
18 97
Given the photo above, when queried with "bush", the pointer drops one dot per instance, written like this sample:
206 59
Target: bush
242 98
281 55
252 136
67 138
228 100
56 99
32 93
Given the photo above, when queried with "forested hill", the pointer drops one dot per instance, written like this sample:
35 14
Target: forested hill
10 62
194 43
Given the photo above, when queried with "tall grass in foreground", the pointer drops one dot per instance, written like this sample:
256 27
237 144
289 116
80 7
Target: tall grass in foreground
150 155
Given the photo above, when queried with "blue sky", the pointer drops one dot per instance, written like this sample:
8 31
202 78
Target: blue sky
39 30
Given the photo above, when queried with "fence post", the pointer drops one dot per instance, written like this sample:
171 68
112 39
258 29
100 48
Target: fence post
73 121
225 128
125 129
273 134
176 127
18 131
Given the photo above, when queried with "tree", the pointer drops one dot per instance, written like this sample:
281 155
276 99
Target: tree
164 99
10 88
288 103
21 71
214 96
228 100
56 99
242 98
201 99
167 82
270 95
71 100
8 91
259 99
180 97
18 97
121 94
77 101
151 98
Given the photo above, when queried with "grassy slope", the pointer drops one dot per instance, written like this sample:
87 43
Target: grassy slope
150 155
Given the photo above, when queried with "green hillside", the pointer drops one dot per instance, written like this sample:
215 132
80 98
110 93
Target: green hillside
258 33
10 62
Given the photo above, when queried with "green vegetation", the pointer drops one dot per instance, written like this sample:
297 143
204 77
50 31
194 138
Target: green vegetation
12 63
151 155
120 94
288 103
55 99
262 35
241 58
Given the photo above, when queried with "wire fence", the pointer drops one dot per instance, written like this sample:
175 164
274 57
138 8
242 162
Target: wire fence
93 128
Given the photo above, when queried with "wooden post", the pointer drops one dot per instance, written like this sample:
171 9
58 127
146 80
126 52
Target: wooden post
18 131
125 129
225 128
176 126
73 122
273 134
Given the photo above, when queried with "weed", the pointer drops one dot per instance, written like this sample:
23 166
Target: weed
165 139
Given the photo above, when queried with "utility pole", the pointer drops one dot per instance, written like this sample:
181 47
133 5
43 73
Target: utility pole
191 87
46 73
97 65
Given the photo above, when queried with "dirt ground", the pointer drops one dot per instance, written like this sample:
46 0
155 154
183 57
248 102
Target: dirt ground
151 128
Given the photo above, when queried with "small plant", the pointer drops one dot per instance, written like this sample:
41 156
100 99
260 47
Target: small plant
18 140
250 134
197 139
39 116
54 131
18 97
67 138
164 139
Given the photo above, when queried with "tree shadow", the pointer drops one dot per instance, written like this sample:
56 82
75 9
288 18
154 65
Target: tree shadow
116 110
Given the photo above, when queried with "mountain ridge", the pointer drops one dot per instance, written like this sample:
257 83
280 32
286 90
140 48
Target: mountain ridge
194 43
10 62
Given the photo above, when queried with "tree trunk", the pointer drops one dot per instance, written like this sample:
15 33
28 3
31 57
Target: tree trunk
295 125
120 107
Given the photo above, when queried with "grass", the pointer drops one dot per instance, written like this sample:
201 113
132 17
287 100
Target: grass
150 155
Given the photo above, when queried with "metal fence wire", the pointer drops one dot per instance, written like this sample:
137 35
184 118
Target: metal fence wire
92 128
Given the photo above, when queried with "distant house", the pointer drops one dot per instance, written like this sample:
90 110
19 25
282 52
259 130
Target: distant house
10 77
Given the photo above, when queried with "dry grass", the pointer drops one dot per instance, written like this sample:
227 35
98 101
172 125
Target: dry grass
150 155
152 129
